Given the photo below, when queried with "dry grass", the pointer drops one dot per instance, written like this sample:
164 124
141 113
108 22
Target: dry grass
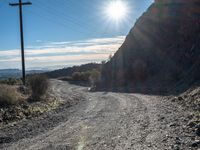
9 95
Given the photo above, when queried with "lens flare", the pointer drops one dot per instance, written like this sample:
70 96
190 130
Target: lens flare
117 10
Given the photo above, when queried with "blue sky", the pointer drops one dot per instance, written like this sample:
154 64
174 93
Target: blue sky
63 33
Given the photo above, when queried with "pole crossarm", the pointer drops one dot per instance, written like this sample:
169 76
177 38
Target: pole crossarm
17 4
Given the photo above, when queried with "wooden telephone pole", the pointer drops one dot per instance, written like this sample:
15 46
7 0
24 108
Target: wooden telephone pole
20 4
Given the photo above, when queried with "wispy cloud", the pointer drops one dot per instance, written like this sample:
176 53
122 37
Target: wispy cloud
64 53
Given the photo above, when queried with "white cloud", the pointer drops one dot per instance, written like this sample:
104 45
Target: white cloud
65 53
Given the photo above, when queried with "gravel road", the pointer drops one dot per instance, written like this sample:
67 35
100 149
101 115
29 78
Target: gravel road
102 121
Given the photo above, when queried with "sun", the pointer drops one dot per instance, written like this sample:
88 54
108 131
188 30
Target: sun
116 10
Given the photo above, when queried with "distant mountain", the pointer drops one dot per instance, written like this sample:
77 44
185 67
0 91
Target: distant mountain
7 73
70 70
161 51
16 73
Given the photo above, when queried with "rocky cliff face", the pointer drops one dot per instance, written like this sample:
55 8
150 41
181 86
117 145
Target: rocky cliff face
161 50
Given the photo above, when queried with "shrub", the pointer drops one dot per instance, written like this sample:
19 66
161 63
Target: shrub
8 95
95 77
10 81
92 76
77 76
39 85
85 75
66 78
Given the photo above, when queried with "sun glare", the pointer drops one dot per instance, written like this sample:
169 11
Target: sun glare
116 10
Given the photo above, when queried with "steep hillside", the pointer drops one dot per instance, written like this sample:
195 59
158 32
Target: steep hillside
161 51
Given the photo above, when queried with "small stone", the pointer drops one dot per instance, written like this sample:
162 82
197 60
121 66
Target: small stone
197 130
149 145
174 99
177 138
25 106
191 124
178 142
162 118
175 147
173 124
180 98
195 143
190 116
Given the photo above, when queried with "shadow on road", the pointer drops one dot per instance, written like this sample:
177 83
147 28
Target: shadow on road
162 91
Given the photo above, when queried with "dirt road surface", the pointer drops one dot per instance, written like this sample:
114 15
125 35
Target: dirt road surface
101 121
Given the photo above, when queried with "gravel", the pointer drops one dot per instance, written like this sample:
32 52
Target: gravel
104 121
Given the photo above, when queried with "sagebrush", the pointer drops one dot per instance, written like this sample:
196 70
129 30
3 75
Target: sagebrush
39 85
8 95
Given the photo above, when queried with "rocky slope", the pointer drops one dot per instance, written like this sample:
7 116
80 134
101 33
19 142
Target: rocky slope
161 51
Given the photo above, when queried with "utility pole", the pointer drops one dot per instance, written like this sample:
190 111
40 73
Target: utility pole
20 4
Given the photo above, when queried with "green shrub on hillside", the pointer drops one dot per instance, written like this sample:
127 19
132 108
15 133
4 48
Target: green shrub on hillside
39 85
67 78
10 81
77 76
95 77
86 75
91 76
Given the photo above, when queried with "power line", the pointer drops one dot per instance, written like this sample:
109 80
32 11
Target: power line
52 21
67 19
